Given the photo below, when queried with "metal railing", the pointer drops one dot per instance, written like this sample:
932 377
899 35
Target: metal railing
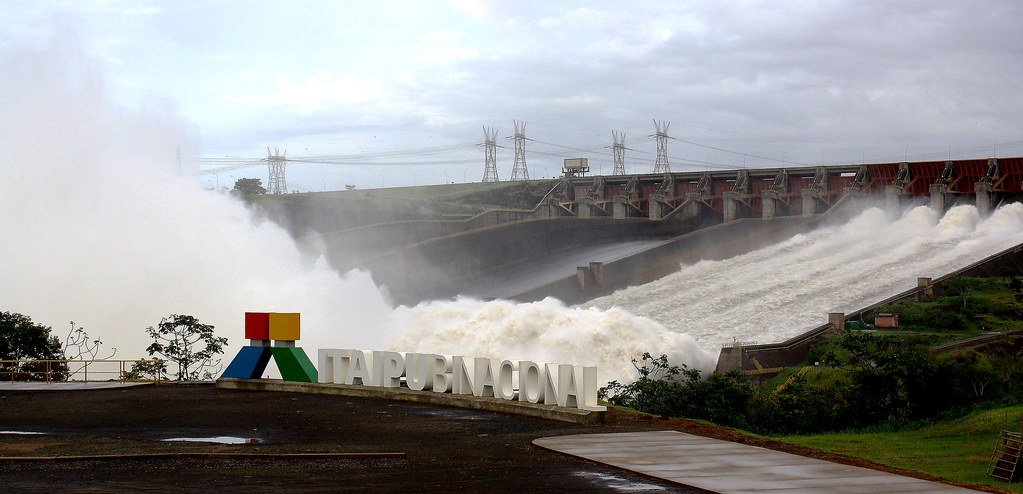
78 370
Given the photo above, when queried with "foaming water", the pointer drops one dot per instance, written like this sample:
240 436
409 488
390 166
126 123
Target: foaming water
767 295
780 291
99 227
545 331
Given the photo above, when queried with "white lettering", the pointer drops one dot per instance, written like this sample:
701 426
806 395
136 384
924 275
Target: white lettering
442 374
505 383
392 367
561 384
419 371
359 369
531 379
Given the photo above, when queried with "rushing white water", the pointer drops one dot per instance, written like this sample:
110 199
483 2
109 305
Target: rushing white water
545 331
780 291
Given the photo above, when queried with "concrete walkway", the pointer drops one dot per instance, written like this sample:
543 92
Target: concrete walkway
66 386
727 467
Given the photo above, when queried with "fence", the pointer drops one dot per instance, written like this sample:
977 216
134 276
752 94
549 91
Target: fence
80 370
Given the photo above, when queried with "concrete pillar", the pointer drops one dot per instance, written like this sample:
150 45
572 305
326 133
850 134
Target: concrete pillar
837 320
925 290
983 192
692 209
621 208
731 206
893 201
938 193
597 270
770 204
809 202
587 208
581 275
656 206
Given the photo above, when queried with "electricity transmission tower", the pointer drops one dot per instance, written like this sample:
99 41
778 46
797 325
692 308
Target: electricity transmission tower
519 171
661 164
618 150
490 154
277 163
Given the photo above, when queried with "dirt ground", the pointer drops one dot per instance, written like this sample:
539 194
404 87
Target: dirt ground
444 449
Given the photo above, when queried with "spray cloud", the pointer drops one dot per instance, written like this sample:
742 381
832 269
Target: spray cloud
100 227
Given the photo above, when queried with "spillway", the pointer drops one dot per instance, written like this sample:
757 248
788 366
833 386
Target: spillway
780 291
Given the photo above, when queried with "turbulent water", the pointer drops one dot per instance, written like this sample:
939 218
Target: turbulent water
777 292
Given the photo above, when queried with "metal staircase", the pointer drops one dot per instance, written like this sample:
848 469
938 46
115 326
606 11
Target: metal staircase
1006 459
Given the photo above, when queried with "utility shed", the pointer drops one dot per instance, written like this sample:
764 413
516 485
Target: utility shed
576 167
886 320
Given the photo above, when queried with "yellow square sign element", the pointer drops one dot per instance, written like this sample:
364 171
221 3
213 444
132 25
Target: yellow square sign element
284 326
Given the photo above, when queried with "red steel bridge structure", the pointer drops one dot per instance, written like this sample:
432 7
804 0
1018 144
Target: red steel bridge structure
769 192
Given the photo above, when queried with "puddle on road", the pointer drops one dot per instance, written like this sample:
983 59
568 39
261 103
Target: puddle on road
218 440
21 432
618 483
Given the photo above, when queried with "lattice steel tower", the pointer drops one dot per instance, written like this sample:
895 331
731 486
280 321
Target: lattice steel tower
519 171
661 164
490 154
618 151
277 162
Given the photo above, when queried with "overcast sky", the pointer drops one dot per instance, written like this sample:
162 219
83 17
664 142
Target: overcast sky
742 83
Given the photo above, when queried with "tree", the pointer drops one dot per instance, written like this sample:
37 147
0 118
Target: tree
78 345
963 287
179 338
21 339
249 186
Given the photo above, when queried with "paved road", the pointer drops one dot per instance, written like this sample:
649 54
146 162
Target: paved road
733 468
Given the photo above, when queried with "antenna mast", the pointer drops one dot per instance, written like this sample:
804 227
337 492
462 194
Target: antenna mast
519 171
618 150
490 154
661 164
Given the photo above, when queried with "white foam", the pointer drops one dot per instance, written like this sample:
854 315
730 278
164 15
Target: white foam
780 291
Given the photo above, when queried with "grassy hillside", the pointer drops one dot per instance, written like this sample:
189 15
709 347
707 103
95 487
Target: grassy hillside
958 450
339 210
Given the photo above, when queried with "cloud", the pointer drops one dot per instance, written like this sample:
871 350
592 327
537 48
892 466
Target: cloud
845 80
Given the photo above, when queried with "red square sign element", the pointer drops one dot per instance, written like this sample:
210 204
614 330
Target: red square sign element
257 325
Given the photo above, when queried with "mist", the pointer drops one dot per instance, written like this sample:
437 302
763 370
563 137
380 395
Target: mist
100 226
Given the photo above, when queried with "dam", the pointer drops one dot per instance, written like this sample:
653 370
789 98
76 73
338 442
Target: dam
751 280
643 227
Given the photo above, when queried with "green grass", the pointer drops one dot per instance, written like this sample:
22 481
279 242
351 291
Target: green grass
431 202
957 450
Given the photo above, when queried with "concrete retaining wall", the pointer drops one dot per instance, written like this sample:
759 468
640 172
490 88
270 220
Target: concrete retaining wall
550 412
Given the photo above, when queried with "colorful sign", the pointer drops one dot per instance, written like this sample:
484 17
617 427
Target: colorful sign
283 329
